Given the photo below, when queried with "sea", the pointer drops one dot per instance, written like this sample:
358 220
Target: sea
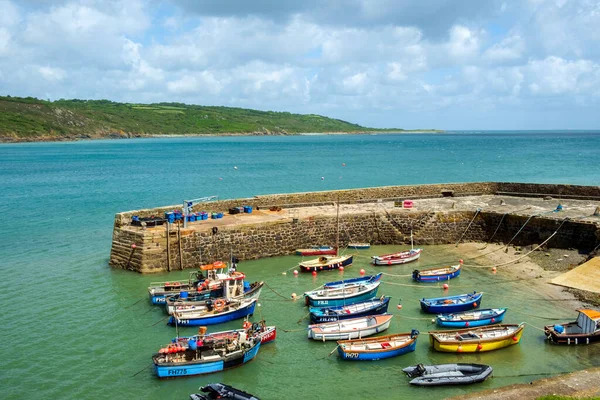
74 328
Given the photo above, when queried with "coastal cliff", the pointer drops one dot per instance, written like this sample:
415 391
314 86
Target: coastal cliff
31 120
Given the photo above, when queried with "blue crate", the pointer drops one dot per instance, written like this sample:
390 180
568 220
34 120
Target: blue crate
248 209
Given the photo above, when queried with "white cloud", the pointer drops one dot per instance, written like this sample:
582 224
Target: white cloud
52 74
556 76
357 60
509 49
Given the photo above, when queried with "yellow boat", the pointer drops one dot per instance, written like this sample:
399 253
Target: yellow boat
485 338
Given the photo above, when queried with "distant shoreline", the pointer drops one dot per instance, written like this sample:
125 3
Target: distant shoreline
83 137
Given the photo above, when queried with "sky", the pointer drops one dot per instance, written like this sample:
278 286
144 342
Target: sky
444 64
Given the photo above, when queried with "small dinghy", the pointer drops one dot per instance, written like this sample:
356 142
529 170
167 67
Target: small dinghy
469 319
447 374
353 328
437 274
343 292
378 348
221 391
379 306
451 304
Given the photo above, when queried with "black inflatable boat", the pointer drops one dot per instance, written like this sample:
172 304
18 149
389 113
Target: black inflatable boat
447 374
221 391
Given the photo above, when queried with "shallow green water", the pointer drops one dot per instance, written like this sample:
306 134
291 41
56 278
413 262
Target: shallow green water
74 328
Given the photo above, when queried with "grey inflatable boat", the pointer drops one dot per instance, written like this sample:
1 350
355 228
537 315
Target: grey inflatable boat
447 374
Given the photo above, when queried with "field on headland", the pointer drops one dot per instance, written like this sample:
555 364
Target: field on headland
30 119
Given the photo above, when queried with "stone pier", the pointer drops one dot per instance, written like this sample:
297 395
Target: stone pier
515 213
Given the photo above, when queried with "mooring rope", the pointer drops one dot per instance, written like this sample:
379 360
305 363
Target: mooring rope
523 256
278 294
496 231
537 316
468 226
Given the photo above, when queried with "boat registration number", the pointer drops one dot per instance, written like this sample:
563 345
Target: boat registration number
160 300
351 355
322 302
178 371
330 319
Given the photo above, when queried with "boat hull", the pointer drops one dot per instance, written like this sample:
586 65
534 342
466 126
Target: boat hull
438 306
316 252
423 276
212 319
448 374
327 266
377 350
334 302
397 258
476 346
350 333
171 370
492 318
320 317
359 246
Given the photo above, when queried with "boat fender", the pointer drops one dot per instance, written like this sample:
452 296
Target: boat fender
414 333
416 274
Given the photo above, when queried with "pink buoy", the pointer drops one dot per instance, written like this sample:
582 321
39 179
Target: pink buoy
362 271
296 272
399 306
341 269
133 246
494 270
314 273
493 320
445 286
467 324
461 261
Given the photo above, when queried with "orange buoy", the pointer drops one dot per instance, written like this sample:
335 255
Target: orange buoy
362 271
459 349
399 306
445 286
479 346
515 339
314 273
474 305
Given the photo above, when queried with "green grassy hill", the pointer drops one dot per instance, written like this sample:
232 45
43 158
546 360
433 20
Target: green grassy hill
31 119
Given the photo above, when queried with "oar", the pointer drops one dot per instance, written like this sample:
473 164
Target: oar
333 350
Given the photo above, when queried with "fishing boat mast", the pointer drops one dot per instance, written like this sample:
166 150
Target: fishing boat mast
337 224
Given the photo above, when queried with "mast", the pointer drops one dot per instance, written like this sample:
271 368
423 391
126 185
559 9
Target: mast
411 240
337 223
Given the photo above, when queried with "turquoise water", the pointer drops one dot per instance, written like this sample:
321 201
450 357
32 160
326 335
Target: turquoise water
75 328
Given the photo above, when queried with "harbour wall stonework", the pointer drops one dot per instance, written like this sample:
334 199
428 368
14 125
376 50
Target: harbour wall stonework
172 247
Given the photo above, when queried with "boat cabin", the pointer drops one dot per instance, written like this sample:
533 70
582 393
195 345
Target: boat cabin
588 322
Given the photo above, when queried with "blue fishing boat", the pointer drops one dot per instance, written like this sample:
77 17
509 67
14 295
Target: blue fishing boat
208 356
344 292
218 312
450 304
360 279
330 314
377 348
466 319
437 274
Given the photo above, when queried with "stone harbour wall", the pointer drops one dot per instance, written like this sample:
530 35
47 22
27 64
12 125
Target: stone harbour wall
171 247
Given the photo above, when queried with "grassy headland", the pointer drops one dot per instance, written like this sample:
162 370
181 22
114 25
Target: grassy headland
31 119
